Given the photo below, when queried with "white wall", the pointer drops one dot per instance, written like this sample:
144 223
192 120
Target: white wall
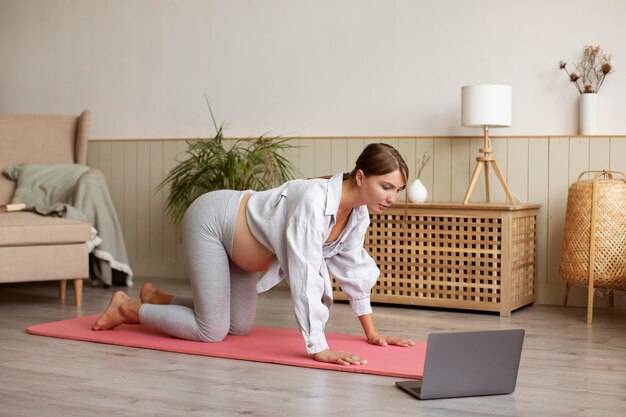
307 68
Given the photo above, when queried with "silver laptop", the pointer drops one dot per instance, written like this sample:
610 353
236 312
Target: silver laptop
464 364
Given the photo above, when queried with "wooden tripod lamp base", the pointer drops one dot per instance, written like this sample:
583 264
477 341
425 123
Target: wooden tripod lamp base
486 105
484 161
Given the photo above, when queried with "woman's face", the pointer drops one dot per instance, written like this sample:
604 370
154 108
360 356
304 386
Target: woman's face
379 191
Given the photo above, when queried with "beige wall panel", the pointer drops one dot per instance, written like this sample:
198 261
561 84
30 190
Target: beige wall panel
599 154
130 212
338 156
578 158
181 155
442 166
105 161
538 193
323 152
93 154
155 238
500 152
460 169
307 157
558 186
117 181
618 154
170 150
168 268
517 169
144 199
293 155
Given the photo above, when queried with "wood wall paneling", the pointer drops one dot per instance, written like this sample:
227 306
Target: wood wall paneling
518 168
538 192
537 170
442 170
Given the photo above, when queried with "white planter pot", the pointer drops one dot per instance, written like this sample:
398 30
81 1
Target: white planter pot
588 114
417 192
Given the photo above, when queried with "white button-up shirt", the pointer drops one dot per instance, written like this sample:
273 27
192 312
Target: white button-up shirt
294 221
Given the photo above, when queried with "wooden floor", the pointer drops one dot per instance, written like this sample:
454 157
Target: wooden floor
567 369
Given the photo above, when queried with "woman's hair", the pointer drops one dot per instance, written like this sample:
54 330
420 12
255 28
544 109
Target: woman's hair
380 159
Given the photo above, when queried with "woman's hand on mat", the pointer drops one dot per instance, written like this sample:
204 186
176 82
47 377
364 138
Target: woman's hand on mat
336 356
380 340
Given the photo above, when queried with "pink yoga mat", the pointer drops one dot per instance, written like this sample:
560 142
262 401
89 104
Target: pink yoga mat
262 344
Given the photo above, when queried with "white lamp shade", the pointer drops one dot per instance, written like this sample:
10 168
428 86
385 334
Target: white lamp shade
486 105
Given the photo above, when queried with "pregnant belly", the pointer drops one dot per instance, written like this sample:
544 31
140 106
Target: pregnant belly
248 253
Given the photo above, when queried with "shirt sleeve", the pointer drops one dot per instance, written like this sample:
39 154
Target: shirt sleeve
356 272
302 265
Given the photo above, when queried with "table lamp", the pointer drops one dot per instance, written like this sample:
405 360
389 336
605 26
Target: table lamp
485 106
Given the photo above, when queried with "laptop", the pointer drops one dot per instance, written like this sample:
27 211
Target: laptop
465 364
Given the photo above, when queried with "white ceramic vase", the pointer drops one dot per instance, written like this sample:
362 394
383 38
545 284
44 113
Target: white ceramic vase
588 114
417 192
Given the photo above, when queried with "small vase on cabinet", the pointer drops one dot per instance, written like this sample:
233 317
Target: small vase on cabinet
417 192
588 114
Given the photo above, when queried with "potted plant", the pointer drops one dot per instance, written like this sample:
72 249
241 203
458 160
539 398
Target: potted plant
250 164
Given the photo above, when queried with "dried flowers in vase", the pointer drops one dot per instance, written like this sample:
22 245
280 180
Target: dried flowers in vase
421 163
590 71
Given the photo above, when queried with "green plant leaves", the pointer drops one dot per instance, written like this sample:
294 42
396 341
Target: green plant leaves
250 164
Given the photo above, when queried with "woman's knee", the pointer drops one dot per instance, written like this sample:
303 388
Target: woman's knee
242 325
212 334
240 329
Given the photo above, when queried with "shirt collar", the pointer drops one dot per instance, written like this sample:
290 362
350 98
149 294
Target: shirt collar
333 194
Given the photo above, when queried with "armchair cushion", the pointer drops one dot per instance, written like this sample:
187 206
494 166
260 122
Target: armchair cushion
30 229
44 184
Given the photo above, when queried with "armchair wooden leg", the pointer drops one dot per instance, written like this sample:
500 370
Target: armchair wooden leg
78 291
62 289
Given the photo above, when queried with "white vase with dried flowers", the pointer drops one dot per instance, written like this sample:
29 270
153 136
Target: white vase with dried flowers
588 78
417 192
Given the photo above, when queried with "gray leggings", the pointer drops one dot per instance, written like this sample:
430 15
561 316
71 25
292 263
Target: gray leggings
224 295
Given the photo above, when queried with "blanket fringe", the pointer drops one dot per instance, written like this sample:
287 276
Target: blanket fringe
106 256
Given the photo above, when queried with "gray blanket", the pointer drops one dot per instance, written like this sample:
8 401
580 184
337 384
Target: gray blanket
91 202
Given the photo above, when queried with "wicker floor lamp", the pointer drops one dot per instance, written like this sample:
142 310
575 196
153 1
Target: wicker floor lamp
594 243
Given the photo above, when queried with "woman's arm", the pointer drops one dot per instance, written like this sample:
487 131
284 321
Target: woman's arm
367 321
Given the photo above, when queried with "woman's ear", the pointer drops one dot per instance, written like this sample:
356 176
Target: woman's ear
359 177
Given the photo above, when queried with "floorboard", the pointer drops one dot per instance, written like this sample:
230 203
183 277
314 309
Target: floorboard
568 368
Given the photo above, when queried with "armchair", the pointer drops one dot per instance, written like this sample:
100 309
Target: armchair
35 247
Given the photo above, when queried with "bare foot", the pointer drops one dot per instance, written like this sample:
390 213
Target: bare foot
121 310
149 294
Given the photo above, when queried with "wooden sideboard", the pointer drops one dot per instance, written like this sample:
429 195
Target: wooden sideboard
474 256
